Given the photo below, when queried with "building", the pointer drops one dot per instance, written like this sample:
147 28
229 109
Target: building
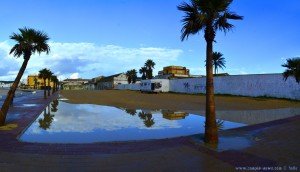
170 72
176 70
111 81
91 85
34 82
6 84
172 115
74 84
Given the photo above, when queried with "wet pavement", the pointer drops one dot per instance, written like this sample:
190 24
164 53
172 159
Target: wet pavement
256 146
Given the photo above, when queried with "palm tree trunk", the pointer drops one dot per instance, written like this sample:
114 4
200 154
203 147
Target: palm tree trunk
48 88
215 69
45 95
53 89
11 93
211 132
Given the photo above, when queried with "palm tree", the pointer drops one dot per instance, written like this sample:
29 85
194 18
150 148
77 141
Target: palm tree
29 41
49 75
131 76
149 64
143 71
133 73
293 69
43 74
128 74
208 16
54 80
38 85
35 82
218 61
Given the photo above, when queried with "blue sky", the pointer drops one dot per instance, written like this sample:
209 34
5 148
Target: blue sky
90 38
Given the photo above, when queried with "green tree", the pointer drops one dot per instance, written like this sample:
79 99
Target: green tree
293 69
149 64
143 71
208 16
29 41
43 74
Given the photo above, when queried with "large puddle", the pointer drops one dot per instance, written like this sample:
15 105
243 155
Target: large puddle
63 122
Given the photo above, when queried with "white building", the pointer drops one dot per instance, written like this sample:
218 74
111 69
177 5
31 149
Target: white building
111 82
6 84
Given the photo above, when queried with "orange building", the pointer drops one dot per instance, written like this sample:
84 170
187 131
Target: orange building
34 82
171 115
179 70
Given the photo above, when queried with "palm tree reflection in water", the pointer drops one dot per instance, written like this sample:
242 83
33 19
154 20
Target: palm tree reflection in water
132 112
147 119
45 123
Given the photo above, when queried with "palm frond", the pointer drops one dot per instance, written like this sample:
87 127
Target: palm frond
222 21
193 21
29 41
293 69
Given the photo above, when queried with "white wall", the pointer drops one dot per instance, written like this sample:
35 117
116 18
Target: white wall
164 83
128 87
271 85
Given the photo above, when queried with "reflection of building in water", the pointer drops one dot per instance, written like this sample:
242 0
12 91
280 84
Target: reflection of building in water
171 115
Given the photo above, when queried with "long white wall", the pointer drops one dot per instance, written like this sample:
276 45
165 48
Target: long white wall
128 87
271 85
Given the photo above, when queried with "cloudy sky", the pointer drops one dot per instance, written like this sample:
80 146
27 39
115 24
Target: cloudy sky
97 37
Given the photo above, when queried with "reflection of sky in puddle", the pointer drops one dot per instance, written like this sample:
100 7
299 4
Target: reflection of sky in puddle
29 105
86 123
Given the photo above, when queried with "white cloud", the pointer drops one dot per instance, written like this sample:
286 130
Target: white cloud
88 60
74 76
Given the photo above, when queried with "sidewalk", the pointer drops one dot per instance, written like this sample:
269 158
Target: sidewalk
273 144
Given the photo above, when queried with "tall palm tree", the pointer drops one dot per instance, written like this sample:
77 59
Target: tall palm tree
49 75
29 42
133 73
38 85
149 64
208 16
293 69
54 80
128 74
131 76
35 80
43 74
218 61
143 71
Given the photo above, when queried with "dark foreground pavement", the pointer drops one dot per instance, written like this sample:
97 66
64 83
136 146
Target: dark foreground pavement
262 147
